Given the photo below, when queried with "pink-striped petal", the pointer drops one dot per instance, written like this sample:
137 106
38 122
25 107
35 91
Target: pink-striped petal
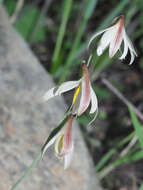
85 92
117 37
68 158
67 139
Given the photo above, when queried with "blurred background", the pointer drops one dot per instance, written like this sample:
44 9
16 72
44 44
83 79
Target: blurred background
58 33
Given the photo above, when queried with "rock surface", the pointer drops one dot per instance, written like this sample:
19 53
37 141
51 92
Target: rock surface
25 122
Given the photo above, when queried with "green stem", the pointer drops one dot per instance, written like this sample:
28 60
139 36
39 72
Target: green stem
65 16
27 171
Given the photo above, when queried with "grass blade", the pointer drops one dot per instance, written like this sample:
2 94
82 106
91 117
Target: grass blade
89 8
65 17
137 126
125 159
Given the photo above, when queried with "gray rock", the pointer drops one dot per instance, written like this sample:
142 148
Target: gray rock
26 122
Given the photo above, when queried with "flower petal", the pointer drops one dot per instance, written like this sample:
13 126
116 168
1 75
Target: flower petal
68 158
85 92
97 34
94 103
125 46
67 139
128 45
49 144
64 87
54 135
49 94
132 58
59 144
96 113
105 40
117 36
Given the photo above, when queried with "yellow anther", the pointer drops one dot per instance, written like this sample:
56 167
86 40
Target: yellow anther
60 143
76 94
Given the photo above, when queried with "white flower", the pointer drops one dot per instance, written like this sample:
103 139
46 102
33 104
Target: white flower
113 37
84 94
62 136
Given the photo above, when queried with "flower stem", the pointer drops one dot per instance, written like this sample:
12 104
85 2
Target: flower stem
37 158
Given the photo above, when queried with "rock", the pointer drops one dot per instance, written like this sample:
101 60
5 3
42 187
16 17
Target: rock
26 122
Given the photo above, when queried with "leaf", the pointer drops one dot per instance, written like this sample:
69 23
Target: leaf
137 126
26 24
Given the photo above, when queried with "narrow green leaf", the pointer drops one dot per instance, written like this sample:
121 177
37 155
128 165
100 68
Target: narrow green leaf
137 126
125 159
65 17
25 25
105 158
88 10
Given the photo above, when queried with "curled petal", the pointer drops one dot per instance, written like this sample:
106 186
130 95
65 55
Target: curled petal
132 58
97 34
128 45
125 47
85 92
131 49
117 36
94 103
64 87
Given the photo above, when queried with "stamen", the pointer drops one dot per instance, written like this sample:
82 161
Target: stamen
76 93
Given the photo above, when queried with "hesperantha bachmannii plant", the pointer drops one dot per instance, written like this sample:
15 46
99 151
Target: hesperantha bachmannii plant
84 96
